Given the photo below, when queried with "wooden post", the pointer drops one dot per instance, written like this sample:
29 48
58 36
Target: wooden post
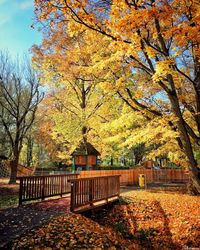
91 190
20 191
152 175
118 191
107 189
72 196
43 186
61 185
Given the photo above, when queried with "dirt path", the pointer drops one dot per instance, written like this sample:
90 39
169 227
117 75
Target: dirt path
16 221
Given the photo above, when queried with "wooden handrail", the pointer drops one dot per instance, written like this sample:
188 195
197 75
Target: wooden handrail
40 187
50 175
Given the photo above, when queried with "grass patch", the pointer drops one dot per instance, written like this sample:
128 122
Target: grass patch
8 201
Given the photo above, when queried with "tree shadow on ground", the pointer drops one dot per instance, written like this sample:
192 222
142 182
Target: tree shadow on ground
136 222
164 238
18 220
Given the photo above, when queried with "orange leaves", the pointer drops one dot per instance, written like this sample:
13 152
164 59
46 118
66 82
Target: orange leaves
159 218
70 232
175 217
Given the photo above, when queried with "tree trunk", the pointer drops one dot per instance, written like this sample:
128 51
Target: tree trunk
29 152
13 174
193 185
193 168
14 166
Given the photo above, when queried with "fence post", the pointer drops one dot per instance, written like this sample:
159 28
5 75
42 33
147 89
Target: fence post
61 185
151 175
91 191
72 196
20 190
118 186
43 186
107 189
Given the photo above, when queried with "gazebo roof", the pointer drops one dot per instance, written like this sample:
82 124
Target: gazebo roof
85 149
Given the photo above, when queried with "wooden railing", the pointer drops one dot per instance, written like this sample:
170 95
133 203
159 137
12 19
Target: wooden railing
87 192
40 187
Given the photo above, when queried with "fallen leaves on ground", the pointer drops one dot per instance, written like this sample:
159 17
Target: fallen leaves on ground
71 232
143 220
157 220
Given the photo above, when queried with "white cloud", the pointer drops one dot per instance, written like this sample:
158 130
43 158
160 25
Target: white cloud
25 5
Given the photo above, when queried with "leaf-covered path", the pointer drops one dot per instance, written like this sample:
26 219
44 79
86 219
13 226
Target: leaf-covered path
18 220
158 218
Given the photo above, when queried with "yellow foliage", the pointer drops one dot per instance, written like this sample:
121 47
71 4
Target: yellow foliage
145 52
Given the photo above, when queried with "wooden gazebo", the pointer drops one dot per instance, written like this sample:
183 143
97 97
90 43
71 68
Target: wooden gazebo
84 157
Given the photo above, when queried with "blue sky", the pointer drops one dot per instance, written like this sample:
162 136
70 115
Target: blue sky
16 34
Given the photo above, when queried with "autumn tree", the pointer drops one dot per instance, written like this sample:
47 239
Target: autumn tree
76 95
159 42
147 138
19 98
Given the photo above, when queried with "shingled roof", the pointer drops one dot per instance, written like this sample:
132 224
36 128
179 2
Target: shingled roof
84 149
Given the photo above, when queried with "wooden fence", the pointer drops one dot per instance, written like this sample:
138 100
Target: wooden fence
90 192
40 187
131 176
86 189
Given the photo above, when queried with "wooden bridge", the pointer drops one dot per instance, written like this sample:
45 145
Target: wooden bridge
86 193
